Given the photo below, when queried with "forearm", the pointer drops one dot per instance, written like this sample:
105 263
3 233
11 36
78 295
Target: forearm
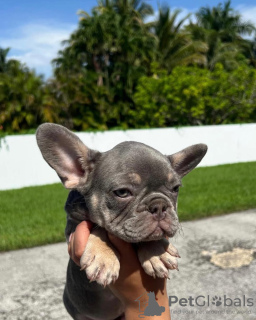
133 287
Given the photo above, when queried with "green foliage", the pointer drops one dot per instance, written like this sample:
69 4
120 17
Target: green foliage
118 71
224 20
221 28
192 96
21 93
175 46
110 51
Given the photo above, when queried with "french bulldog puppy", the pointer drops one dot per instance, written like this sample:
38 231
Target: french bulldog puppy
130 191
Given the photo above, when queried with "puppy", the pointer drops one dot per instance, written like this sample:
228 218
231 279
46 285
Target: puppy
130 191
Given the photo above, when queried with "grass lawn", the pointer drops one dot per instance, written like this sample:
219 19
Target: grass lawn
35 215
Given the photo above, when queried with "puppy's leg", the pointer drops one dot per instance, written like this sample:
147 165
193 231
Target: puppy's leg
157 257
100 259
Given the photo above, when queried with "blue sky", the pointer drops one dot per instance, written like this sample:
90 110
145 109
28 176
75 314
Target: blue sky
34 29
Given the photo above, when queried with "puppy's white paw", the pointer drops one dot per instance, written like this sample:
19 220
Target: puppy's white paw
100 260
158 257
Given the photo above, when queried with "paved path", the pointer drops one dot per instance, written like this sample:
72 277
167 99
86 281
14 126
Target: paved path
32 280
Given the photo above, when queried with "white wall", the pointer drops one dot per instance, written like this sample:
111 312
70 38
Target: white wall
21 164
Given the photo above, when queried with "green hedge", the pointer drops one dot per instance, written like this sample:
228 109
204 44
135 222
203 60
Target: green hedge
187 96
192 96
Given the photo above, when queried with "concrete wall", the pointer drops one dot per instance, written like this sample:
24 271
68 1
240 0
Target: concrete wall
21 163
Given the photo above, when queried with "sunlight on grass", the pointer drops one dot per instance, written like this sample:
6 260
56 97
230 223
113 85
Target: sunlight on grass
216 190
32 216
35 215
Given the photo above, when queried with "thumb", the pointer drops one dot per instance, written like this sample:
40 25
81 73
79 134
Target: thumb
78 240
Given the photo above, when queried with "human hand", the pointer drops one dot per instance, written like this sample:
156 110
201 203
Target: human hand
78 240
132 281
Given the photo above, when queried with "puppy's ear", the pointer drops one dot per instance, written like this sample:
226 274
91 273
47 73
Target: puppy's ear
66 154
187 159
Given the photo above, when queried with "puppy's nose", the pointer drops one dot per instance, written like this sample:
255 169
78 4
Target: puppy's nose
158 209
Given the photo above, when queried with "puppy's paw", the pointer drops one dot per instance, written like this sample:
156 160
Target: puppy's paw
100 260
158 257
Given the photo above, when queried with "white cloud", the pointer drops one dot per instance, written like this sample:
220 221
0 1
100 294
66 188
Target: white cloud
37 44
248 15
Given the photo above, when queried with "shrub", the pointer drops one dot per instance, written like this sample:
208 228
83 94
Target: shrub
191 96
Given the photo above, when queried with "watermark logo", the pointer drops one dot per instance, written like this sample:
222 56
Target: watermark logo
207 301
220 305
149 307
216 301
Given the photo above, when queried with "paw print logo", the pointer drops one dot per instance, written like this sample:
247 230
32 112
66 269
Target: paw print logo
216 301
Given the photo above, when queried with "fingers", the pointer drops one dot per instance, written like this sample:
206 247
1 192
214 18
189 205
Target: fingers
78 240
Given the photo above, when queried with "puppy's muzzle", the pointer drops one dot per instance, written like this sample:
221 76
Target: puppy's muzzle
158 208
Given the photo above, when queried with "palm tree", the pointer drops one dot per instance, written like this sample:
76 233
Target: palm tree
88 46
221 28
133 8
225 21
175 46
7 65
113 46
133 43
3 60
113 42
227 53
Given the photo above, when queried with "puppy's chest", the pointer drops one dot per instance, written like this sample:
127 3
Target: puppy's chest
76 207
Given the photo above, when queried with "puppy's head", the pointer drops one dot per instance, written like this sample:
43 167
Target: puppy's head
131 190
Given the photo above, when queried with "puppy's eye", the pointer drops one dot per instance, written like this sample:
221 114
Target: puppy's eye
176 189
123 193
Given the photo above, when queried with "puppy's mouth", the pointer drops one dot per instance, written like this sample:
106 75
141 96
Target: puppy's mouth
160 230
157 234
148 229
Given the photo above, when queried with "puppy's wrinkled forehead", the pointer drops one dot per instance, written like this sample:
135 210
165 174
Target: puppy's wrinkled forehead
135 161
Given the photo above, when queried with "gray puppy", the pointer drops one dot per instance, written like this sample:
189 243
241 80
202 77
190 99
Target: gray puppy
130 191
